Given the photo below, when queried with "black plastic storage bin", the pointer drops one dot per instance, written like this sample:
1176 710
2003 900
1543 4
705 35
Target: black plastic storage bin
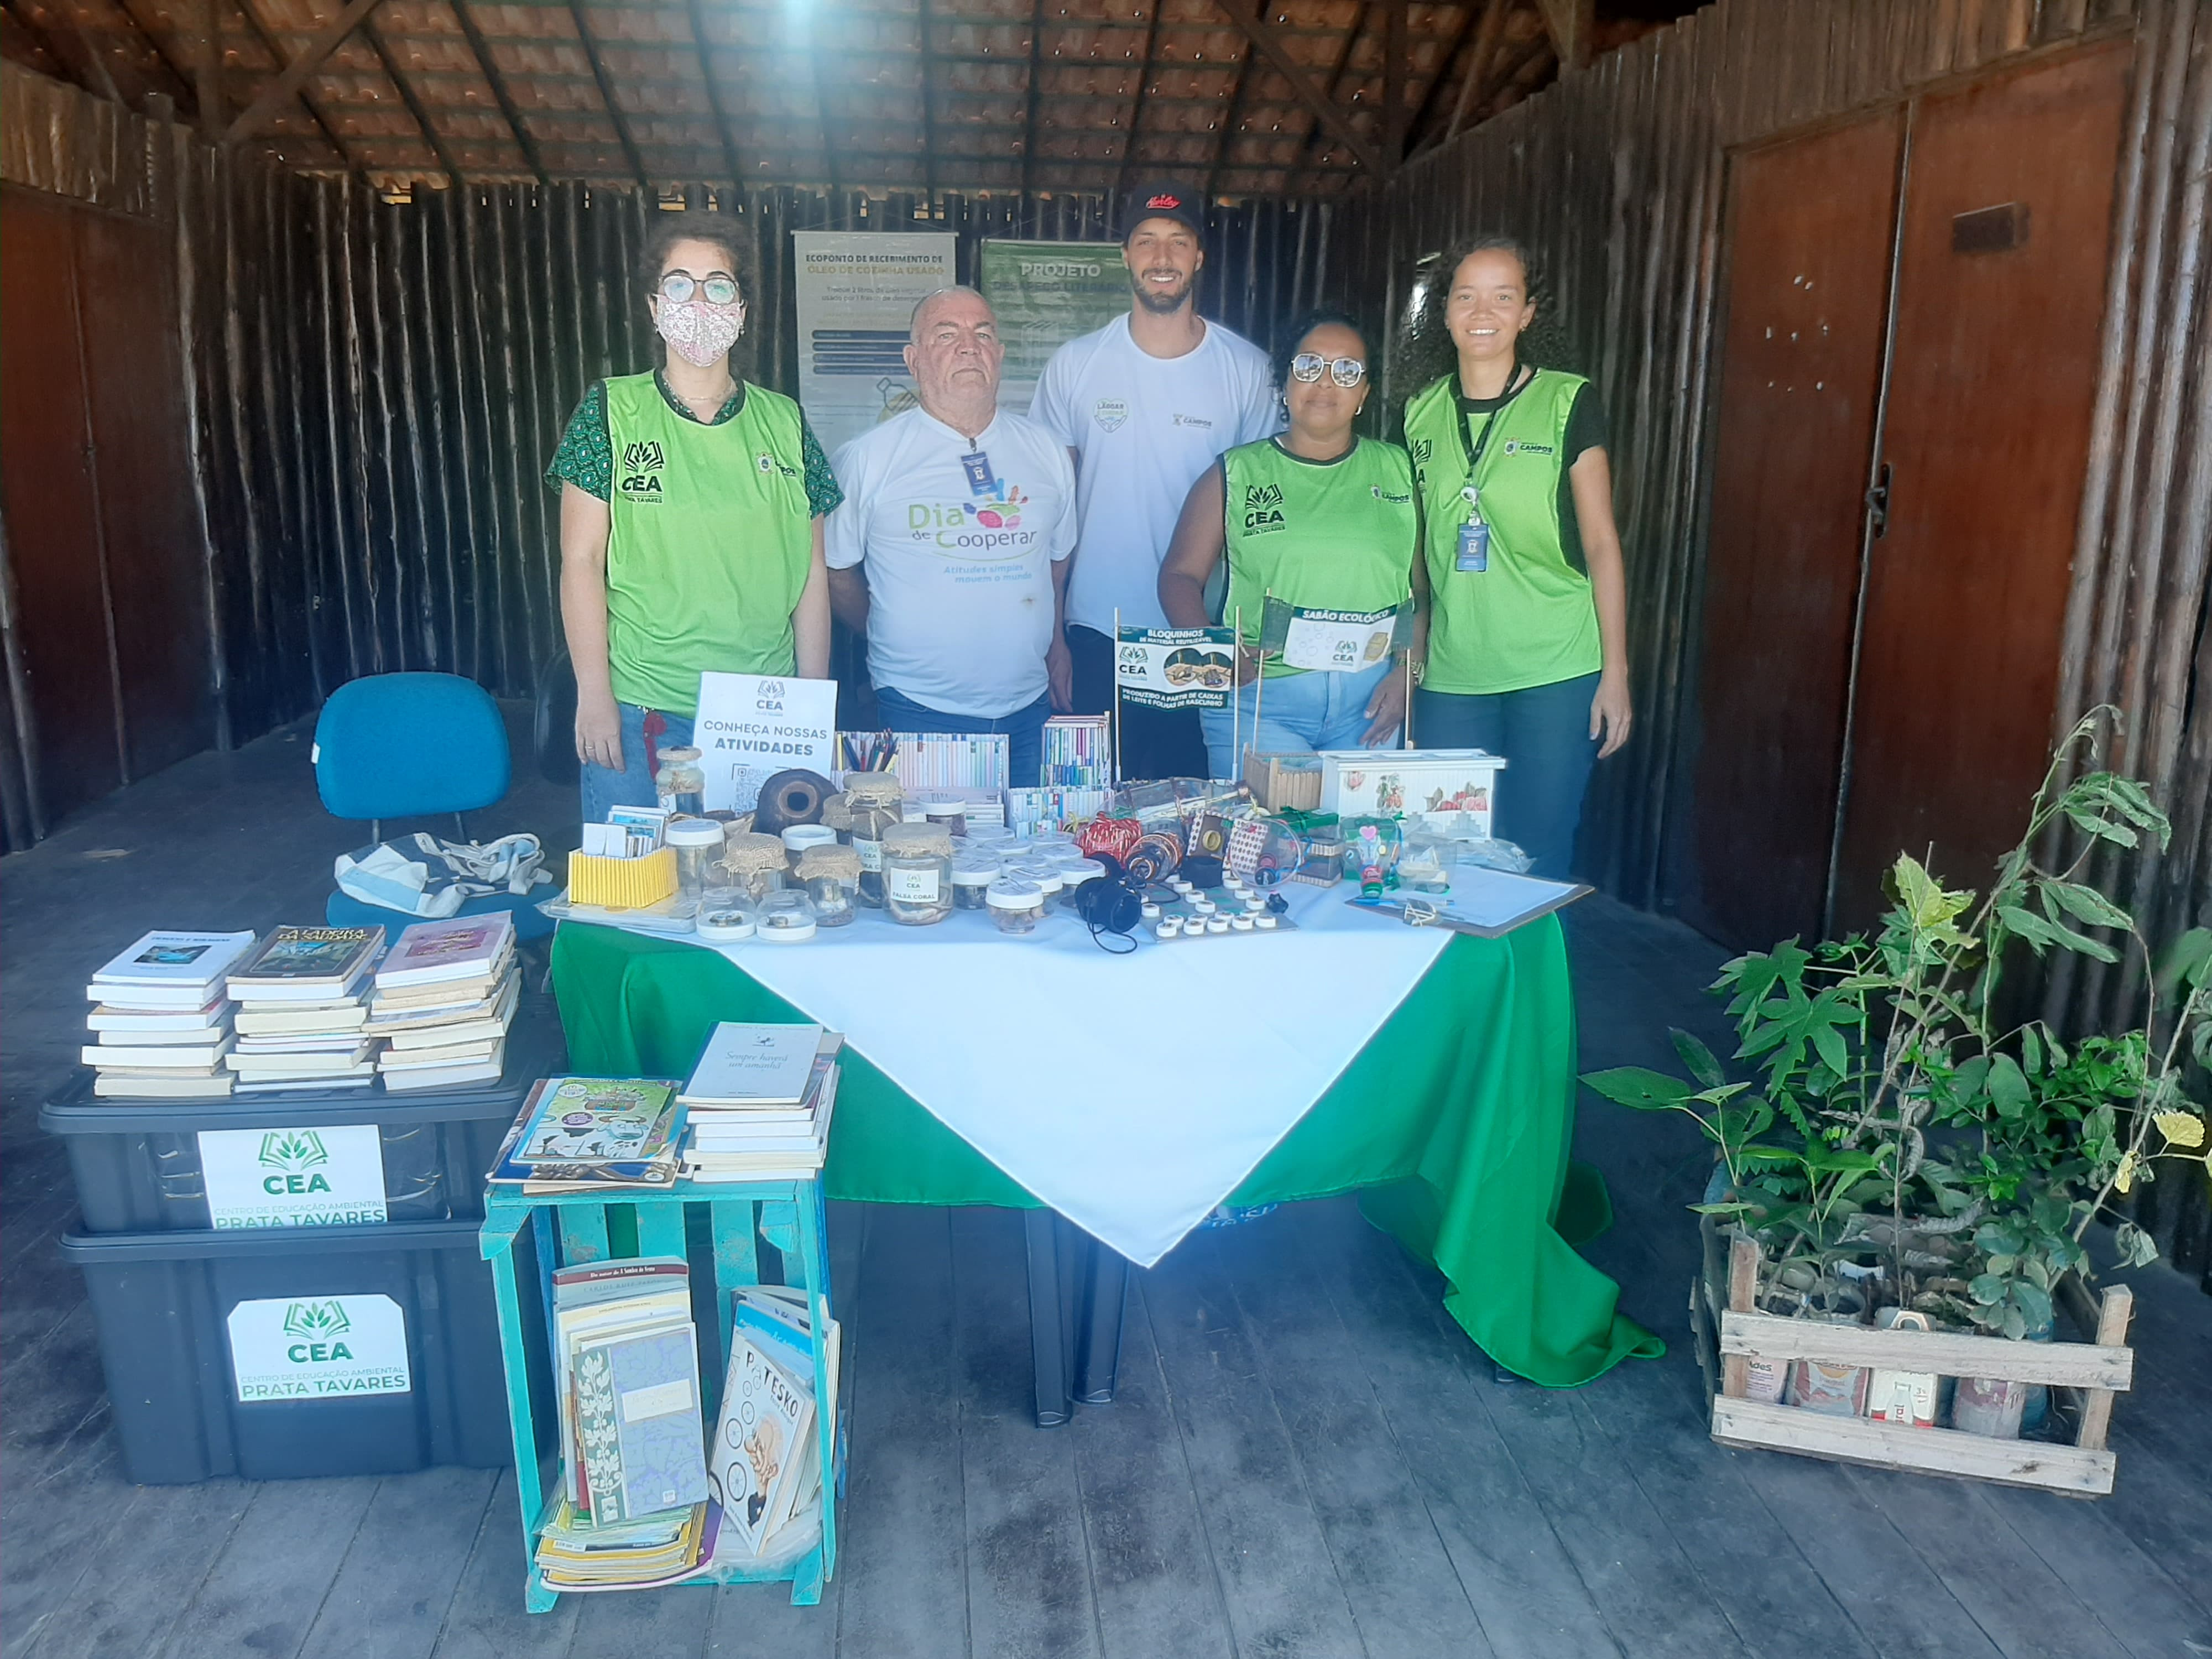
308 1309
137 1163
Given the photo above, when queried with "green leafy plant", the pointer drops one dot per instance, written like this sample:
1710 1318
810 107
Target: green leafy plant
1894 1130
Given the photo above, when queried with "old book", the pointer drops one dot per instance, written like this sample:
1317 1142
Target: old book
458 948
306 964
169 970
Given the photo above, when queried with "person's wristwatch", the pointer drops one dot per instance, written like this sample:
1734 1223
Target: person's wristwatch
1417 667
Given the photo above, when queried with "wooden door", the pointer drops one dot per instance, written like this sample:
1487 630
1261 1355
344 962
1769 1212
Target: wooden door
1812 225
2001 302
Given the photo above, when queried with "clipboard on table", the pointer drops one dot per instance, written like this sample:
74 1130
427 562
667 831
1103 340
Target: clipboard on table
1488 904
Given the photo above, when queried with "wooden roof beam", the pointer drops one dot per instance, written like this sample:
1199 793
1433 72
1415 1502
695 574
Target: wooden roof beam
415 109
481 49
277 57
722 129
1035 90
1136 110
929 116
1417 125
1478 68
607 96
90 61
207 72
281 89
1246 16
1569 22
1336 77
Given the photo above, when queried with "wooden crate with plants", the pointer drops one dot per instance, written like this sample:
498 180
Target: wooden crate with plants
1906 1182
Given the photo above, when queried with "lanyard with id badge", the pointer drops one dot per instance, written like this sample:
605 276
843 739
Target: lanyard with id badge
1473 552
981 481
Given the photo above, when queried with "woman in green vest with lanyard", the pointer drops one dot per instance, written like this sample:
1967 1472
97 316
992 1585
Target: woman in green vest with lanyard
691 508
1528 638
1320 519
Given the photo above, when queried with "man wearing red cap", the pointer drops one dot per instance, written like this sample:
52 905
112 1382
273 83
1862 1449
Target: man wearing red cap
1145 404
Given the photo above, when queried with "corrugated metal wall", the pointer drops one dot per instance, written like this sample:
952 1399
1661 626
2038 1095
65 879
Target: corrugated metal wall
1615 177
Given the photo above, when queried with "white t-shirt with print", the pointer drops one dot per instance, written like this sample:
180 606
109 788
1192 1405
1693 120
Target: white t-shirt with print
960 606
1146 428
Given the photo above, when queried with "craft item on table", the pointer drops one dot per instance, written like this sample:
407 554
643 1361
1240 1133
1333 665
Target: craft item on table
1209 837
785 918
935 760
1412 782
917 874
874 801
1192 914
681 782
1030 810
1113 838
1284 782
1016 905
974 869
755 863
1154 856
1425 862
831 876
790 797
1078 752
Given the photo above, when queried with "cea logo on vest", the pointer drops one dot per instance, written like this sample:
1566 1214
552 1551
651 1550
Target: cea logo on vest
318 1348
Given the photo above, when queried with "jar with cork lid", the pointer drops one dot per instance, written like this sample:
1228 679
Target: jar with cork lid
681 782
755 863
917 873
831 876
871 806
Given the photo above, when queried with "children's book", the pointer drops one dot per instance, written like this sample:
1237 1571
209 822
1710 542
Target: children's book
595 1120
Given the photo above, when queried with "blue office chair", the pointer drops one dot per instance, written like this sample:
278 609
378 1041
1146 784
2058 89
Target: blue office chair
415 746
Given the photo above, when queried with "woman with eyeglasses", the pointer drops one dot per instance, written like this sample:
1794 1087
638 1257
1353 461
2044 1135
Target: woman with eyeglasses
691 509
1318 517
1528 641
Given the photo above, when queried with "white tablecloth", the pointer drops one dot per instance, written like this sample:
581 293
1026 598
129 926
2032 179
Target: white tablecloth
1131 1094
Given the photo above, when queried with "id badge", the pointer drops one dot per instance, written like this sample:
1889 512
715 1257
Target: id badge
1474 546
977 466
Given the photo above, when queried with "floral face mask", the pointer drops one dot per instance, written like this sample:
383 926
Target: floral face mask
701 331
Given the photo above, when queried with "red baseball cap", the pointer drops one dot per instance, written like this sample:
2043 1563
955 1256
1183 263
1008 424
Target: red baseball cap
1164 199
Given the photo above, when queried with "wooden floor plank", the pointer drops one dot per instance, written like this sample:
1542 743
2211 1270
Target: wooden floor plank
2080 1545
670 1624
1392 1564
486 1617
906 1534
112 1612
80 1509
391 1596
262 1592
1151 1565
1277 1578
1028 1569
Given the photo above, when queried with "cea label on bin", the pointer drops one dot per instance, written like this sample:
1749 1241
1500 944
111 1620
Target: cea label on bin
322 1177
319 1347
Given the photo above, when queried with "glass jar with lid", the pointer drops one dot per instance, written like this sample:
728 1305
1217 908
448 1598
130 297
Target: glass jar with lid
973 871
917 873
1045 874
786 918
797 837
698 844
1016 905
726 916
754 863
831 876
871 805
948 812
681 782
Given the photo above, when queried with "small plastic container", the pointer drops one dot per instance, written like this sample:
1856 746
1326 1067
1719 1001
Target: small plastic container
1053 842
831 876
1167 926
726 916
1046 876
973 872
681 782
800 836
755 864
917 872
871 805
698 846
1217 924
1203 906
948 812
1016 905
786 918
1149 911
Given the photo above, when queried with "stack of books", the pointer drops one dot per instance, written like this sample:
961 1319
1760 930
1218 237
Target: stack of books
633 1509
767 1473
444 996
590 1132
759 1103
303 1003
161 1021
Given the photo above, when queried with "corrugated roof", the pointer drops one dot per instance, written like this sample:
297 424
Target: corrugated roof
884 95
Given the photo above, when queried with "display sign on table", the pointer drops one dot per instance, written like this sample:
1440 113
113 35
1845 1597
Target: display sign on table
1334 641
856 297
1176 667
750 726
1047 294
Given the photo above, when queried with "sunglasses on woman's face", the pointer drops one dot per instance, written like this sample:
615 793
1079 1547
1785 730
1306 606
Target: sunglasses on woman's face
677 287
1307 367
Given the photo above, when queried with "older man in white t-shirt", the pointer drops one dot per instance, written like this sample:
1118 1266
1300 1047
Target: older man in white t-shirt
1146 403
951 550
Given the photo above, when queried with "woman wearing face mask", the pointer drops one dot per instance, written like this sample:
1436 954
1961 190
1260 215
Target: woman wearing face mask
1528 640
691 508
1317 518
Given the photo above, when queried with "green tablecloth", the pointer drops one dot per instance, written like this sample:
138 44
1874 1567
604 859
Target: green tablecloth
1452 1121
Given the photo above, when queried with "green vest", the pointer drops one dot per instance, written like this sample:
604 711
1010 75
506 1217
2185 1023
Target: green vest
1529 619
1327 535
711 543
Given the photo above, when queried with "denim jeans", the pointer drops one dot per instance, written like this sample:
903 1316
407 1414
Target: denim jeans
1300 713
1543 733
1025 729
603 787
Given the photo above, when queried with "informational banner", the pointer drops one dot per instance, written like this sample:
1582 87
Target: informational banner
856 296
1176 667
1045 294
750 726
330 1176
318 1348
1334 641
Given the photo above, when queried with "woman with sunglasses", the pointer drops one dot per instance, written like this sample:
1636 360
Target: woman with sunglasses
691 509
1528 641
1316 516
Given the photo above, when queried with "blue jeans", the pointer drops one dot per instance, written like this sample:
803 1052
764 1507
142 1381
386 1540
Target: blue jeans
1300 714
633 786
1025 729
1543 733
